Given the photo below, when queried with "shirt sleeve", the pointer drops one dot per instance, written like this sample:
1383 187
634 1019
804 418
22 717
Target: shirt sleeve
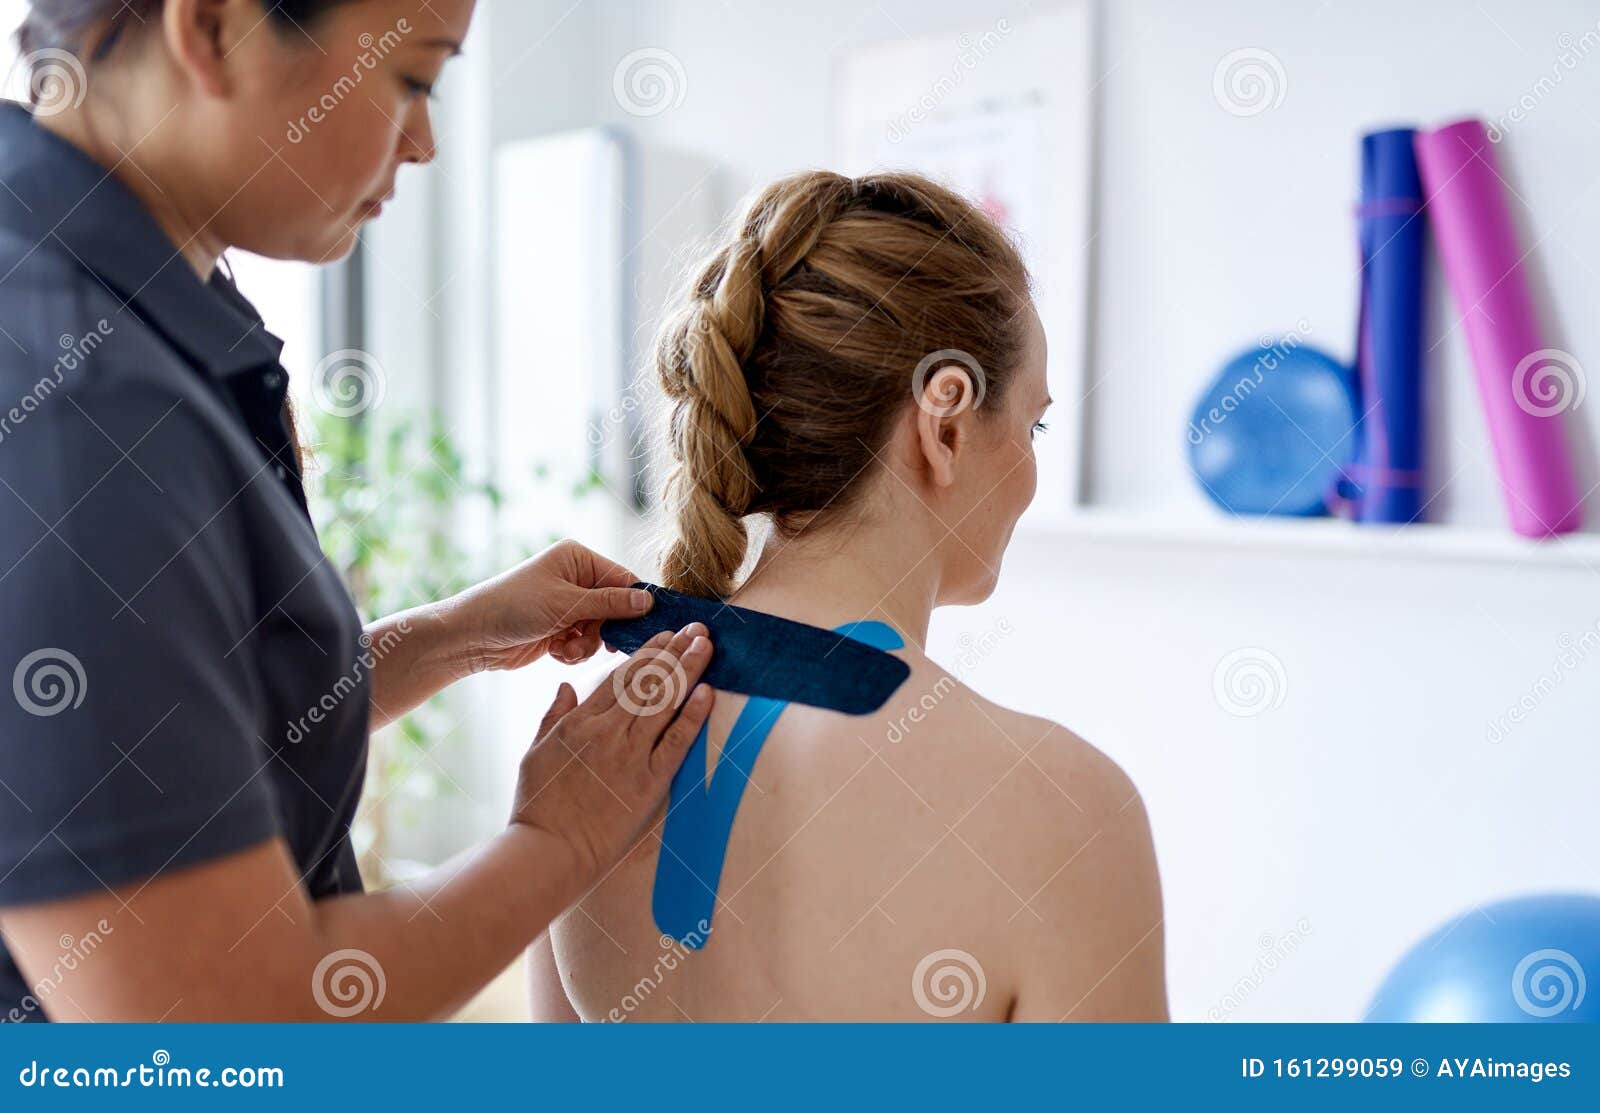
129 733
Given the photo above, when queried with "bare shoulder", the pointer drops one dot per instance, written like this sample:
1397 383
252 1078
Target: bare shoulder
1053 765
1063 827
1100 787
1070 792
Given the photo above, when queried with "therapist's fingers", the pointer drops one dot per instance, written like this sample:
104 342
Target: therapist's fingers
679 737
566 699
659 687
586 644
646 690
577 644
603 699
600 603
589 569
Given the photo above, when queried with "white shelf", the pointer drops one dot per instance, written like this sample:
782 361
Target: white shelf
1330 537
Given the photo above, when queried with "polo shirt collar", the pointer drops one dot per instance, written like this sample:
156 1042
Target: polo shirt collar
59 199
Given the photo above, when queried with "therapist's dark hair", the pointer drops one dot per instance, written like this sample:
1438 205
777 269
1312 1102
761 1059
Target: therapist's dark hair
801 343
91 28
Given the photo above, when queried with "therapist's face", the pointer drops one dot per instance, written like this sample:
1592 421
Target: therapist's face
329 120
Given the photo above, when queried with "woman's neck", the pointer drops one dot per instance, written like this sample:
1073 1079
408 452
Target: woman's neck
137 164
861 572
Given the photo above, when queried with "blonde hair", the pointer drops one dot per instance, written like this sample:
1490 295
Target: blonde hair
797 347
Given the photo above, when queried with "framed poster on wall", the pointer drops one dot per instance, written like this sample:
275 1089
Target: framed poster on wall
1001 112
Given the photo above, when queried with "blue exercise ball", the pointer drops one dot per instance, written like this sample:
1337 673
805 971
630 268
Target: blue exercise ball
1522 960
1271 434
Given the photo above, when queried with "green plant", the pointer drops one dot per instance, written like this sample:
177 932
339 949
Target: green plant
387 499
392 500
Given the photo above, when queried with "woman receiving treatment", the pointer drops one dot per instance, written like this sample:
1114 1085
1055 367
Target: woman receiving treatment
860 367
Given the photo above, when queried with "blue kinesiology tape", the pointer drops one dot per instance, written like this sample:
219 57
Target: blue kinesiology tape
776 662
694 842
758 654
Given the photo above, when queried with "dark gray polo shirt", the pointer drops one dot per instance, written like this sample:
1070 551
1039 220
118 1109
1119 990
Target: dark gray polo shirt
182 674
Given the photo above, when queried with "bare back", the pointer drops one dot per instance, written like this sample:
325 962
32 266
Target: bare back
943 857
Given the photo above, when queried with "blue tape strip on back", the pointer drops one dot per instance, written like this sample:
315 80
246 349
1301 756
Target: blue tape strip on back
758 654
694 842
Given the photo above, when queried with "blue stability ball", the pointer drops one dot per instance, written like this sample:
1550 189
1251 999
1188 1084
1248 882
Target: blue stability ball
1530 959
1272 433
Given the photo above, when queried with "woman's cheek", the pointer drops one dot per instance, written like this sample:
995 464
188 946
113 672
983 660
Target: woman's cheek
1029 479
367 141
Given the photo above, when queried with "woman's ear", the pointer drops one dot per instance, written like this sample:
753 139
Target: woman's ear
944 418
200 34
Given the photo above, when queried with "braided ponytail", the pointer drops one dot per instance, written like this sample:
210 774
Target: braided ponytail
795 350
701 362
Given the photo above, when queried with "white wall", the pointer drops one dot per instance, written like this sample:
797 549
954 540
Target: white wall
15 85
1371 804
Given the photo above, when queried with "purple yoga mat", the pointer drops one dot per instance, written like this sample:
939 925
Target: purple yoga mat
1525 385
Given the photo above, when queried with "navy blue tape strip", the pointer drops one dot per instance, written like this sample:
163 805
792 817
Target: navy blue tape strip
759 654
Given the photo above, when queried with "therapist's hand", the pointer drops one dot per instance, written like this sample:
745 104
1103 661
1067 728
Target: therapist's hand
553 603
599 769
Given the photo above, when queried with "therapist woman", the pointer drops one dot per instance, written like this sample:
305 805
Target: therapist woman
183 742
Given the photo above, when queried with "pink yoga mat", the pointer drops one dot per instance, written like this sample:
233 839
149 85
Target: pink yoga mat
1526 386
